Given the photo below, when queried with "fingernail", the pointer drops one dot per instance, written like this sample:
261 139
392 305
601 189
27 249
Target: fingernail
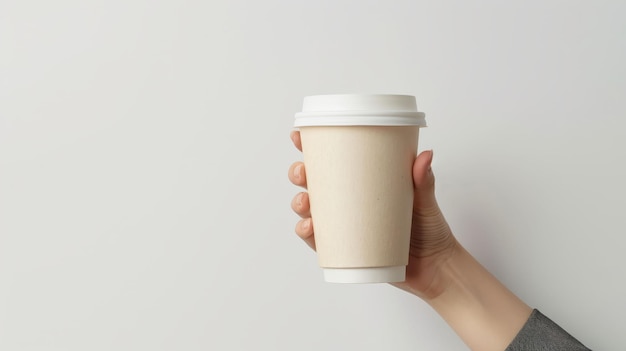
299 201
306 224
430 161
296 171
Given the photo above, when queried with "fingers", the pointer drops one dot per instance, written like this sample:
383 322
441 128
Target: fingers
297 175
300 205
304 229
424 181
295 137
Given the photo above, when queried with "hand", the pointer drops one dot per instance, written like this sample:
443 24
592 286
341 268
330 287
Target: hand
482 311
432 242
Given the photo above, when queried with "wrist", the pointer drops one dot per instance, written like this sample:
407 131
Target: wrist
482 311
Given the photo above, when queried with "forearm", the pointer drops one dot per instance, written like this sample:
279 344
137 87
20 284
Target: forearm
481 310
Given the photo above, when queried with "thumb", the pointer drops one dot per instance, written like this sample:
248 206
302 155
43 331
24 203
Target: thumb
424 181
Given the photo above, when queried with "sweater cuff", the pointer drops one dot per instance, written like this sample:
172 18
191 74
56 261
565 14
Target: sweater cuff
542 334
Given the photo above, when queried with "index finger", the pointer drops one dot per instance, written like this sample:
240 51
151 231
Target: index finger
295 137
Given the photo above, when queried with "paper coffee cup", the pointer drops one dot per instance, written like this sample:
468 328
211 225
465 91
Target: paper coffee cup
359 152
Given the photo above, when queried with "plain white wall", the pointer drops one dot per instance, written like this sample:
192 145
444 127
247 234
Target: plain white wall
144 203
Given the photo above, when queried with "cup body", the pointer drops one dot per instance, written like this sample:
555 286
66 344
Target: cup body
360 185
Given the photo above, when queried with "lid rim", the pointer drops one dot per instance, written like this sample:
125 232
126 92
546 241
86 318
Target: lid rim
358 113
360 121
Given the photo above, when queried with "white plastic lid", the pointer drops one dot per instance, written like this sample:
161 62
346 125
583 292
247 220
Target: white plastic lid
392 274
363 110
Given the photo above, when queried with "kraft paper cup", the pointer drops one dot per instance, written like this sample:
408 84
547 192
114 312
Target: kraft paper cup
358 154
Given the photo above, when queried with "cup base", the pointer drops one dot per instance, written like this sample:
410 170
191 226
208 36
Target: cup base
392 274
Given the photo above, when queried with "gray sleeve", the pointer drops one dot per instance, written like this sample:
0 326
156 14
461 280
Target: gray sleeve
542 334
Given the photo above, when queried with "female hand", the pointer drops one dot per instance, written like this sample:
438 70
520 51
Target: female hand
440 270
432 242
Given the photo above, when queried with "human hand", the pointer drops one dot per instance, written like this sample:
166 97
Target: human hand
432 242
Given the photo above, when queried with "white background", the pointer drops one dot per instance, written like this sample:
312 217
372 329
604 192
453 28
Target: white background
144 201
